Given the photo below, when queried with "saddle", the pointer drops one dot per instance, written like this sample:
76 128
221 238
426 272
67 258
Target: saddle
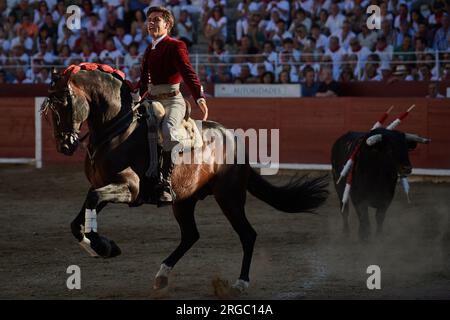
188 133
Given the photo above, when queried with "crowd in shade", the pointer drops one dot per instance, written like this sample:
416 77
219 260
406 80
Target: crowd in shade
315 42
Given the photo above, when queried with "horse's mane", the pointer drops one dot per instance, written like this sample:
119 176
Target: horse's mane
88 66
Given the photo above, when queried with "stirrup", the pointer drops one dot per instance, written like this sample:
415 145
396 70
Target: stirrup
166 196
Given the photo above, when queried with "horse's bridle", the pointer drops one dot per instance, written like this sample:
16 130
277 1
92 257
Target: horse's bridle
69 136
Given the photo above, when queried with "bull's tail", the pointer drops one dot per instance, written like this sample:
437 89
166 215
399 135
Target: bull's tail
301 194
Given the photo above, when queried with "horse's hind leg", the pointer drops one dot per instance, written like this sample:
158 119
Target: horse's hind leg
233 207
95 244
184 214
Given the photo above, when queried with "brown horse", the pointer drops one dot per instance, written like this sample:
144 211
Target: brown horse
117 160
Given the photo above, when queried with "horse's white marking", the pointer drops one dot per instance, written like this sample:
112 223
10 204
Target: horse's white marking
241 285
86 245
90 223
164 271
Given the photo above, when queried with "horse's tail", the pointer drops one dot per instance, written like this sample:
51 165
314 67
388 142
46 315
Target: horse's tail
301 194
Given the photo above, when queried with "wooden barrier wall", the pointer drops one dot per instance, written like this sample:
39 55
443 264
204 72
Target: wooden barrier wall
308 126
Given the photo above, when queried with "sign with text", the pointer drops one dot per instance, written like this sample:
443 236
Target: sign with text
257 90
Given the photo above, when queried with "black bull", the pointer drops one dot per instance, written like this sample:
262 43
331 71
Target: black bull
375 172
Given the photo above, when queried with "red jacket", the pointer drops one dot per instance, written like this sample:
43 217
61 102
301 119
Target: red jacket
169 63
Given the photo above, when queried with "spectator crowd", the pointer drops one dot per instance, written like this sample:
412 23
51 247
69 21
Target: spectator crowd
249 41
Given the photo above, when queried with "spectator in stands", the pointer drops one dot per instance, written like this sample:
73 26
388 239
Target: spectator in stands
185 28
20 76
335 20
400 73
367 38
286 65
402 17
280 35
309 86
269 52
337 54
83 39
216 25
134 73
445 74
425 33
267 78
284 77
307 61
68 39
43 76
386 73
65 56
132 57
94 25
322 22
254 31
425 73
244 73
281 6
110 53
28 25
288 47
357 19
442 37
222 75
347 75
405 52
400 34
433 90
40 12
301 19
122 39
328 87
219 52
23 8
44 54
383 50
87 54
371 69
59 12
321 40
300 37
387 32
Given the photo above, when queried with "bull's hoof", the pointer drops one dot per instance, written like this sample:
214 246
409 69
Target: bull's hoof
97 245
160 282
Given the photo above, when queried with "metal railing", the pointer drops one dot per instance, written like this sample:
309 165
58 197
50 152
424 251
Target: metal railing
436 59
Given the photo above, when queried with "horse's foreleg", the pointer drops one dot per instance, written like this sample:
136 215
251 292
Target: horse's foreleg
92 242
184 214
77 225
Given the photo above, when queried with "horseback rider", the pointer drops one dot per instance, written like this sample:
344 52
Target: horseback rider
164 65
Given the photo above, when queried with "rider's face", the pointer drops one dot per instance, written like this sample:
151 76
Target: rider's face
156 26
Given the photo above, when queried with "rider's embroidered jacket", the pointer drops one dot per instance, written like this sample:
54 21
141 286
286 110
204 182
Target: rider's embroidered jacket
168 63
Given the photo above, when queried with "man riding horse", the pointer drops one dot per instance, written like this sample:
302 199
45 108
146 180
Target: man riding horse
164 65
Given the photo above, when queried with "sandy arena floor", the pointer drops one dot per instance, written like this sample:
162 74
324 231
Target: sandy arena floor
297 256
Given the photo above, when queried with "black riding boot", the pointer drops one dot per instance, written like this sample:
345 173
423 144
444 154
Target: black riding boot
167 196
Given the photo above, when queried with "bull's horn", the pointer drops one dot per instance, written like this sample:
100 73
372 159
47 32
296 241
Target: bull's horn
416 138
374 139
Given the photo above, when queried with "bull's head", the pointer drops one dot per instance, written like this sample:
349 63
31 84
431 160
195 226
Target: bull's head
395 146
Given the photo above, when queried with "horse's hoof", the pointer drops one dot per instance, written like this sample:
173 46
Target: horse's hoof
161 282
97 245
223 290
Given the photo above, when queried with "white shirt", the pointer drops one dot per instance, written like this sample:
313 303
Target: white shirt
155 42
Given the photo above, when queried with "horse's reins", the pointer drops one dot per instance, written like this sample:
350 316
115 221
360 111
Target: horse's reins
108 136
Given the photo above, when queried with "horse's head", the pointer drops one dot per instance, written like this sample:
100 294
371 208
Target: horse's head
68 113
